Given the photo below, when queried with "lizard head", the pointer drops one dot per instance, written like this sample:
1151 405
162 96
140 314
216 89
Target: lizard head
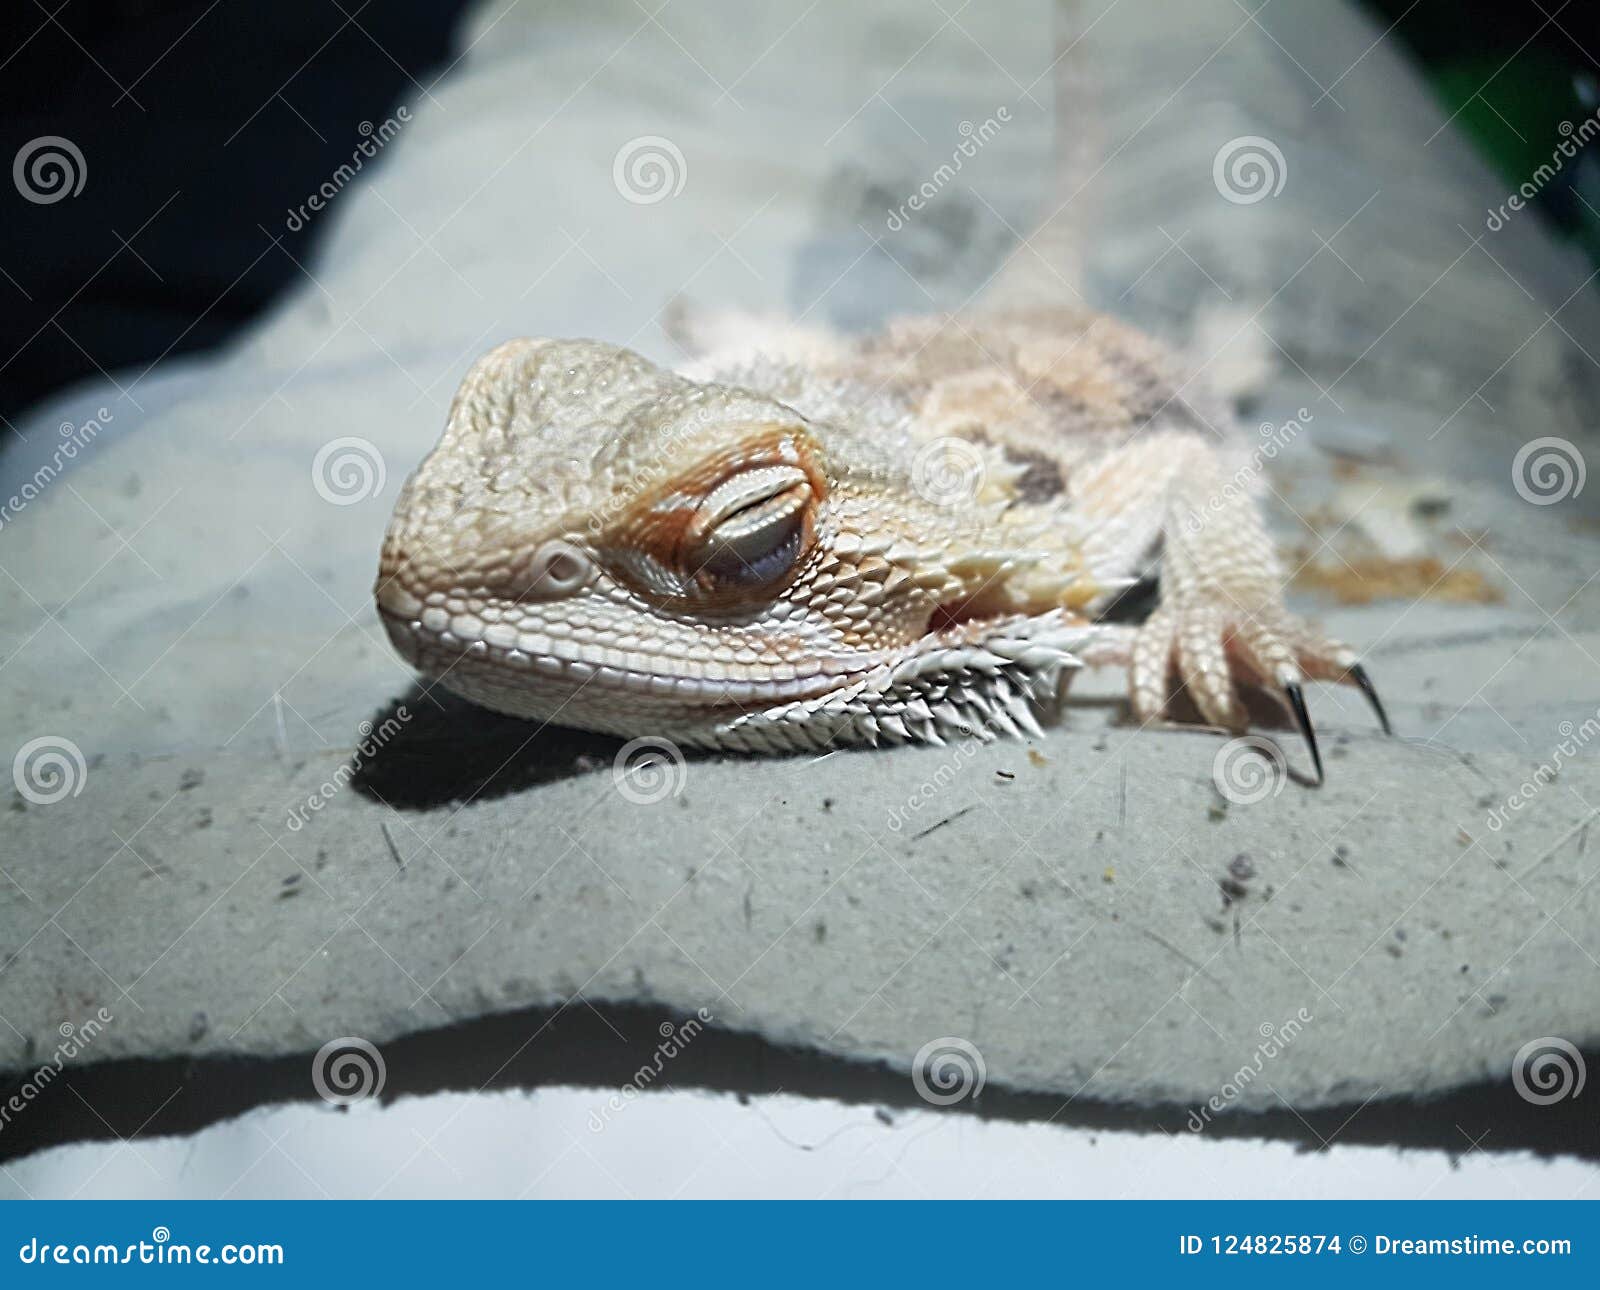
601 543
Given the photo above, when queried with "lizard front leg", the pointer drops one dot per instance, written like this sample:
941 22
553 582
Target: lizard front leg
1220 621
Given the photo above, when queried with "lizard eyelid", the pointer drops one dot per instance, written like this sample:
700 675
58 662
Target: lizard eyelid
746 489
756 529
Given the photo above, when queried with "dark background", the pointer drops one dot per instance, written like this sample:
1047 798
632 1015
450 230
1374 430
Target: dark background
219 117
203 122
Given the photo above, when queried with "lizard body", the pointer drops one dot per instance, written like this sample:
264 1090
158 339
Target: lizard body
804 539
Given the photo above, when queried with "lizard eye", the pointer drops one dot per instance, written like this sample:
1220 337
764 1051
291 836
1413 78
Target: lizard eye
753 528
722 532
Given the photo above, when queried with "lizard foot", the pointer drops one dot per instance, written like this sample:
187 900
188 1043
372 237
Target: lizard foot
1213 651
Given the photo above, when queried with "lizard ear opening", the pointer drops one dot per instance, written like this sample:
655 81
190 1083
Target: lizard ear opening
556 570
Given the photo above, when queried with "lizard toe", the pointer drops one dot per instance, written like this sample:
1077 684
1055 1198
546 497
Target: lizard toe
1203 665
1150 667
1329 660
1321 658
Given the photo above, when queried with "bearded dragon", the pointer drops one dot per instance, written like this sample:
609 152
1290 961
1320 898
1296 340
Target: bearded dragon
802 539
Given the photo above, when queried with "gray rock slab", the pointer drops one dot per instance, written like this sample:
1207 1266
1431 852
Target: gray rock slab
187 608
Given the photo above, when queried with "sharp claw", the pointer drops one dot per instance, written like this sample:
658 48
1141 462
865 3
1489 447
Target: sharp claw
1297 701
1358 674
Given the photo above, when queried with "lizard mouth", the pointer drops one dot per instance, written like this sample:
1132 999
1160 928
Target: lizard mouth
456 654
977 678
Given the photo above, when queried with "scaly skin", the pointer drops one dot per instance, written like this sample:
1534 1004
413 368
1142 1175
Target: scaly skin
806 540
